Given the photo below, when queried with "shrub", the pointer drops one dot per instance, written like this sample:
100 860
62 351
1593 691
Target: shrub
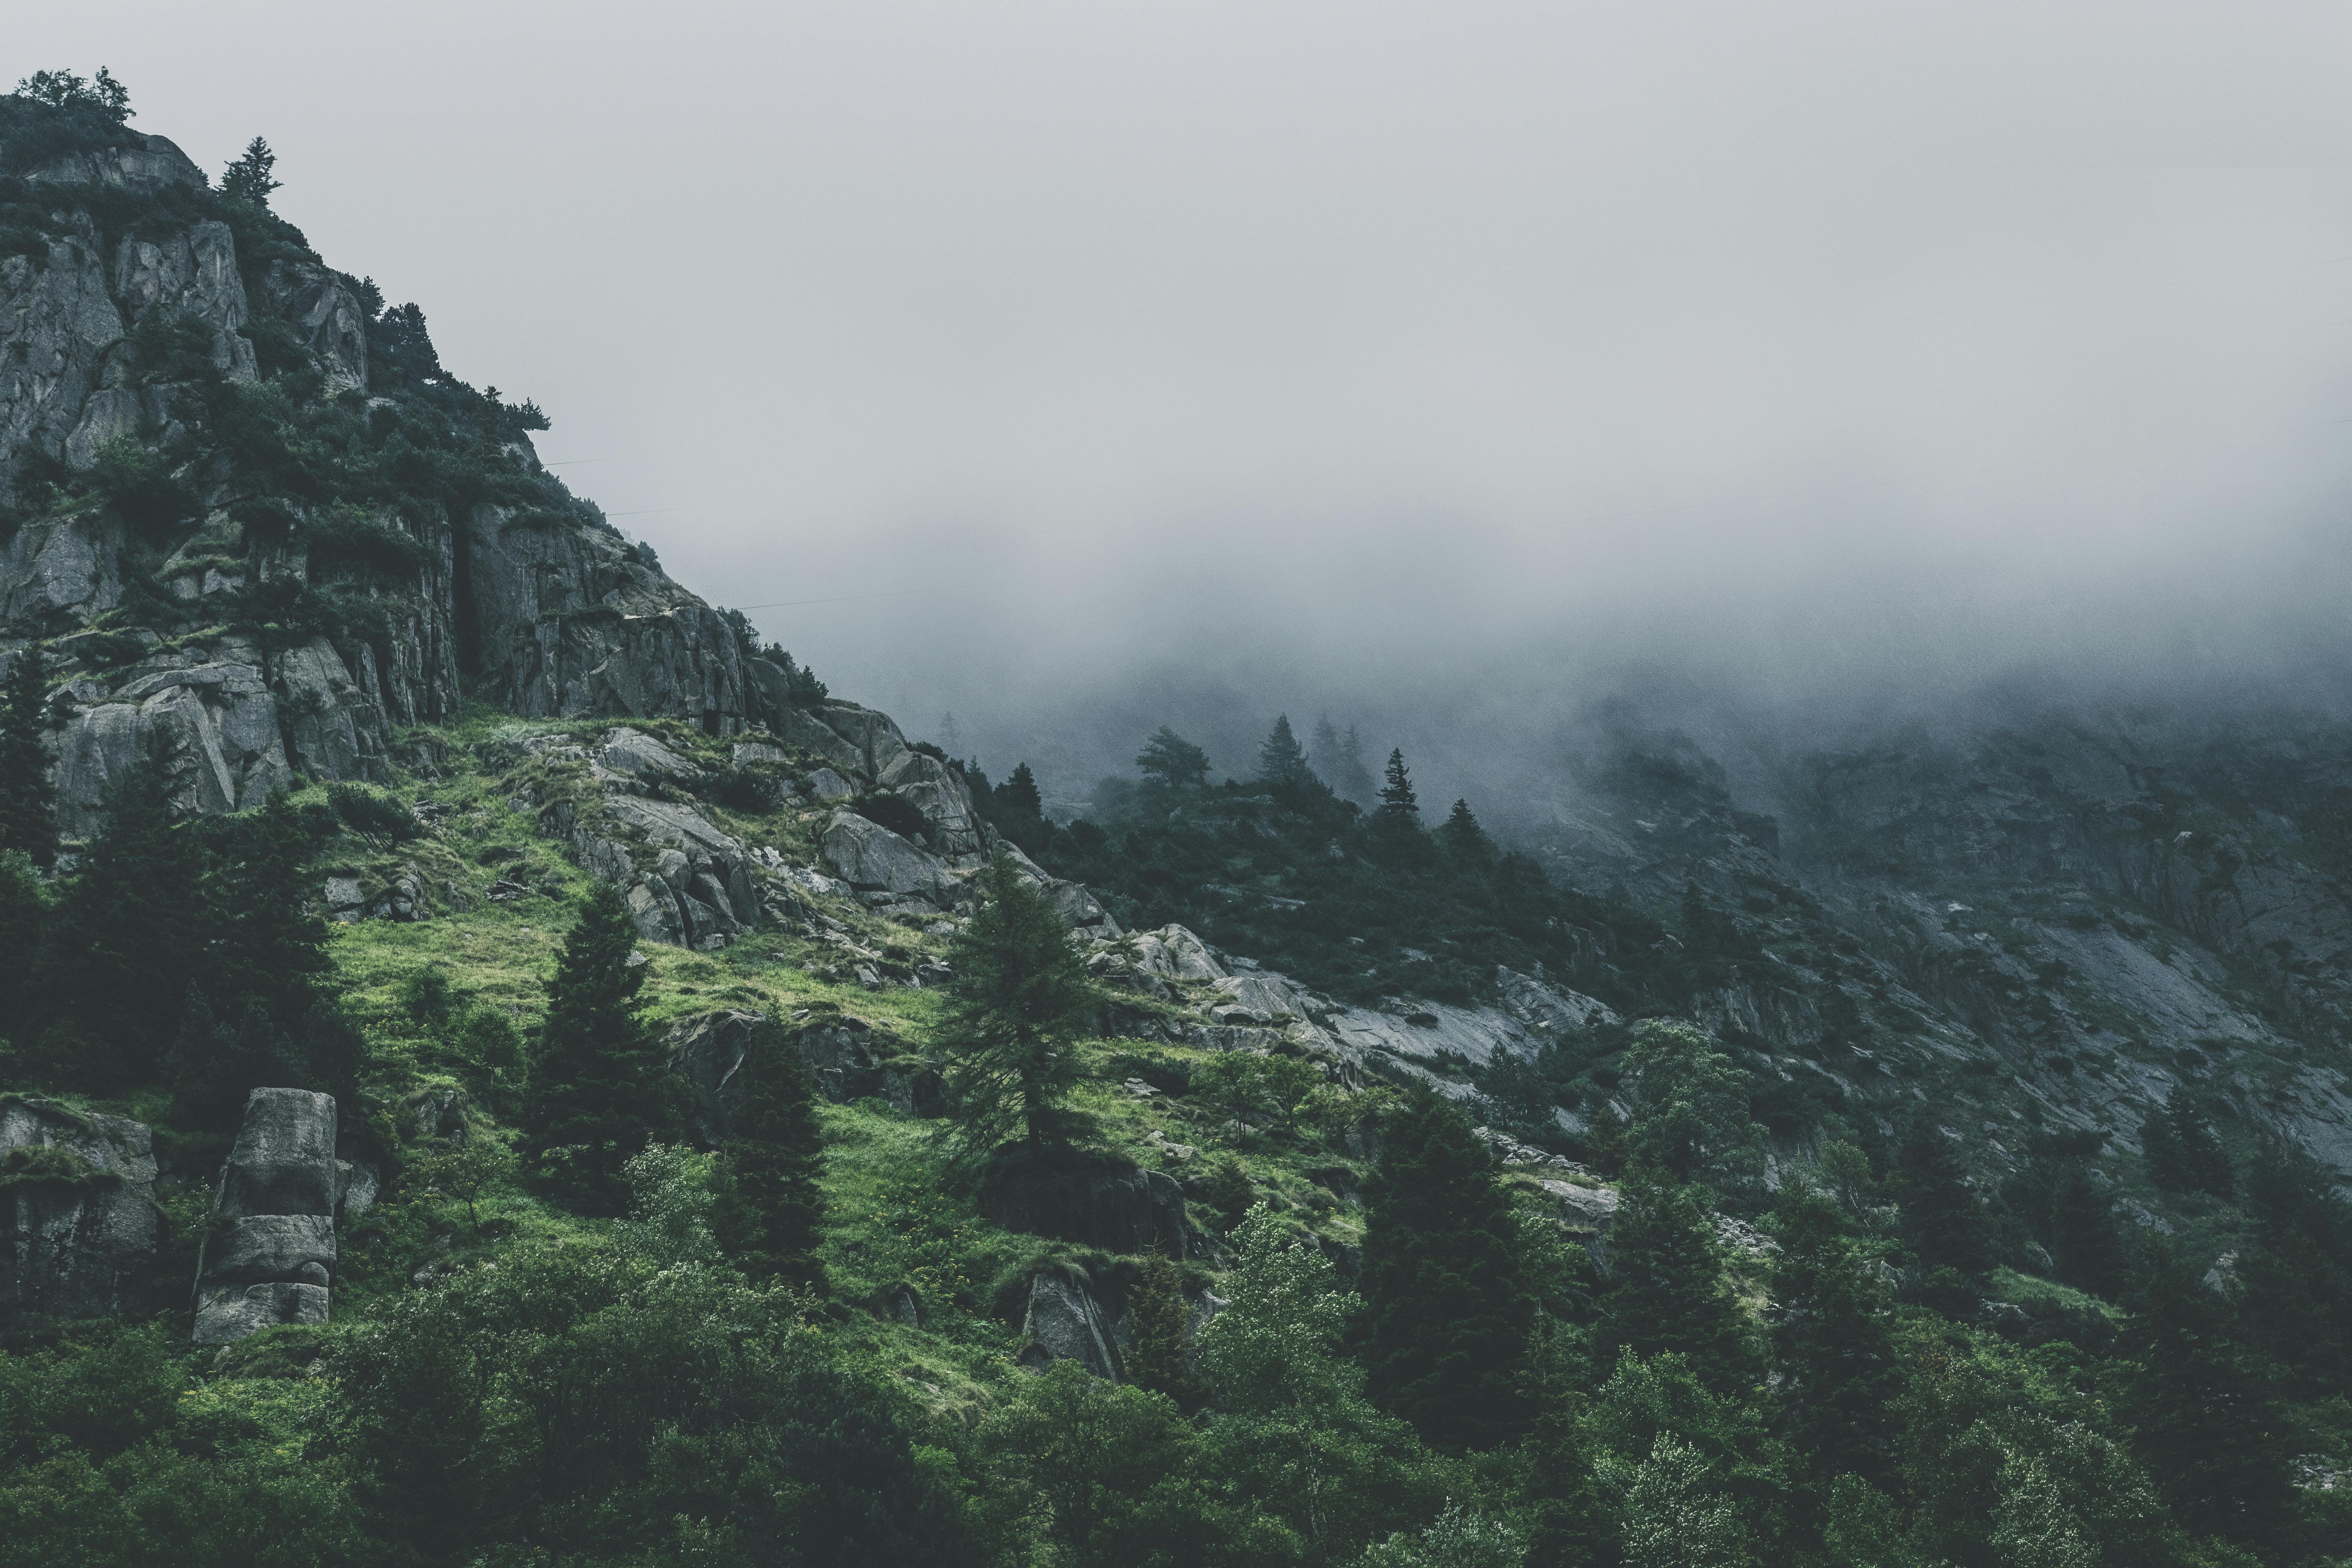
363 810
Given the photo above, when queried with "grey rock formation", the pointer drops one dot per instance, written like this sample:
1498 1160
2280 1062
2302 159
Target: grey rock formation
74 1242
1063 1323
1112 1204
870 858
139 163
938 792
270 1254
827 786
328 321
1172 952
708 1052
851 1060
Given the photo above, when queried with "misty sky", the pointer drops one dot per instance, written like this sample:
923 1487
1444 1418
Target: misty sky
1423 363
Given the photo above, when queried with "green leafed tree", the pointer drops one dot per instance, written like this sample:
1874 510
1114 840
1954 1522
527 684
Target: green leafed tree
601 1090
1020 795
1019 1002
2083 1238
28 799
771 1215
24 910
1944 1222
1464 838
1831 1346
1691 1122
1447 1307
1172 762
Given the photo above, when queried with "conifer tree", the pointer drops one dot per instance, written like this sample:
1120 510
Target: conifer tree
250 177
1323 754
1943 1220
1830 1344
1172 762
771 1215
600 1089
1667 1290
1464 838
24 909
1447 1307
1355 780
1568 1517
1280 760
1398 802
270 945
123 942
2202 1415
2084 1239
1159 1358
2182 1152
28 800
1020 793
1020 1001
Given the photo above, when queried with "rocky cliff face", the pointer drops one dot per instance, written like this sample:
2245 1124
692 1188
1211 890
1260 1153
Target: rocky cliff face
223 521
77 1218
270 1254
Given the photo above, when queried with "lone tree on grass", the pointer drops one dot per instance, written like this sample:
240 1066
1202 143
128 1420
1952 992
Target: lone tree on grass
1019 1002
601 1090
770 1207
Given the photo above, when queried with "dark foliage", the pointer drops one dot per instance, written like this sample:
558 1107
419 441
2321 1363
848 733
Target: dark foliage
772 1210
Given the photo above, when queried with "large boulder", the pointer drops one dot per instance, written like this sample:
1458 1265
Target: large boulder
1106 1203
268 1256
850 1059
938 792
221 712
1174 953
77 1217
871 859
1063 1323
707 1052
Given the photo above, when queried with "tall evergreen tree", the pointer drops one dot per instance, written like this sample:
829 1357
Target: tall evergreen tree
270 943
1172 762
1281 760
1569 1523
1355 780
1020 793
1831 1346
1447 1307
1323 752
1020 1001
1161 1359
1943 1220
1464 838
122 944
600 1089
1667 1292
250 177
771 1215
1398 802
2203 1415
2084 1239
24 910
28 799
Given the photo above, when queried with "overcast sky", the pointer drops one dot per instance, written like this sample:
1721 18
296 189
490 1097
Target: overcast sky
1209 359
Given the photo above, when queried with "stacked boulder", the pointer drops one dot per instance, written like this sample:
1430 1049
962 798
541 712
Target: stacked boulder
269 1255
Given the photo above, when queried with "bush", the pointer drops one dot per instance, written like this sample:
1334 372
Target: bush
363 810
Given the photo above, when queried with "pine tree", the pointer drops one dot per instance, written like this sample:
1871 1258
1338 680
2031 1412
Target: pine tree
1943 1220
1324 753
1398 802
24 910
249 179
1020 1001
122 944
1019 793
1172 762
1159 1360
2203 1419
2083 1235
1447 1307
28 799
1355 780
2204 1163
1280 761
270 945
1831 1344
1464 838
1667 1290
772 1210
601 1090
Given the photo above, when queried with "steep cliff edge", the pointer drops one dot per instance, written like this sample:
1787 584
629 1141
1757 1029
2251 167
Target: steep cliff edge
244 502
